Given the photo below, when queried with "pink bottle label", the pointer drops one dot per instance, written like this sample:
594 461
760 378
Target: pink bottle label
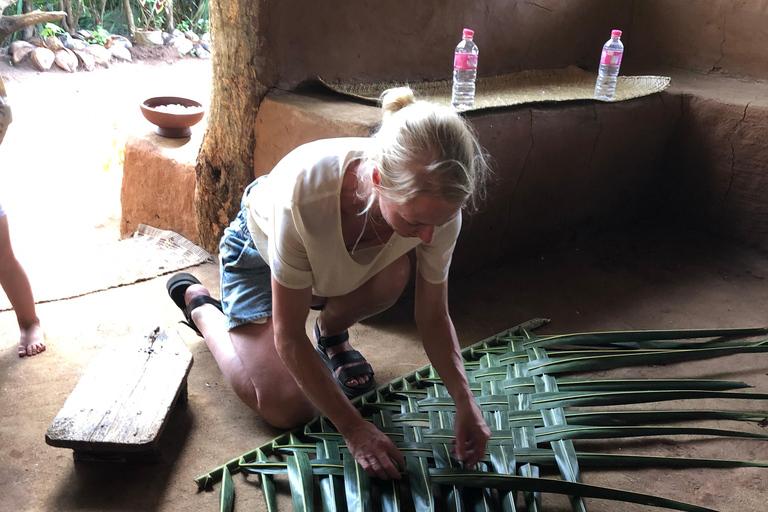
611 57
464 61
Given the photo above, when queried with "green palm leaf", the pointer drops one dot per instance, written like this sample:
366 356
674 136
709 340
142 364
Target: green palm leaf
513 378
357 485
227 492
511 482
604 338
331 489
300 478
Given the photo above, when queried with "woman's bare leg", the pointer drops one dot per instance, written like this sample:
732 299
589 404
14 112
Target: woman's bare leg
377 294
249 361
14 281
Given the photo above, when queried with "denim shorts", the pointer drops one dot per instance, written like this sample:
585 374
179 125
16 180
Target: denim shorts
246 282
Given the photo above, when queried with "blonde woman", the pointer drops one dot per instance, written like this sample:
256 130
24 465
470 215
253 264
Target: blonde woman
329 229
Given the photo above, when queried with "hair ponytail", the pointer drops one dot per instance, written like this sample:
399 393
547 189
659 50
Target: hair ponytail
394 100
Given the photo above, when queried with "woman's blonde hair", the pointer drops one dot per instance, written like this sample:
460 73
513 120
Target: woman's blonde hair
422 148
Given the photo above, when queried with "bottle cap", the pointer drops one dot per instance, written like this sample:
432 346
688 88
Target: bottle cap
615 33
468 33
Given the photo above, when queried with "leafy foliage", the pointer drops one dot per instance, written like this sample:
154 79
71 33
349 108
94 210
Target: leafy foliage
51 29
100 36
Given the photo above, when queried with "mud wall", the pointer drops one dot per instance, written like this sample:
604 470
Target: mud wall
727 36
373 40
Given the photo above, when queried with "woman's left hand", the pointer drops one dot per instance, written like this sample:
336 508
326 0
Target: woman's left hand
472 435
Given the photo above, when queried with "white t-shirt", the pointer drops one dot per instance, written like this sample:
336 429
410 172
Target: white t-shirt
295 221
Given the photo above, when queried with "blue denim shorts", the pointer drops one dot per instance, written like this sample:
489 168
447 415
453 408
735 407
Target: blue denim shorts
246 282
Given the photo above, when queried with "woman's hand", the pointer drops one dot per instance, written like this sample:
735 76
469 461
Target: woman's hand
375 452
472 434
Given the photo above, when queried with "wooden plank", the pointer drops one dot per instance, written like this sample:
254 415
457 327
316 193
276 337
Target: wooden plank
123 400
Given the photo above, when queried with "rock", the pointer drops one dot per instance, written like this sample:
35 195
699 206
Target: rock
176 33
201 52
192 36
72 43
121 53
206 37
20 49
43 58
52 43
100 54
205 45
66 60
83 34
86 59
120 41
182 44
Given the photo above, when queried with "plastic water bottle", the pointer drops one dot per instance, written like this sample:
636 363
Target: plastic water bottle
610 60
464 72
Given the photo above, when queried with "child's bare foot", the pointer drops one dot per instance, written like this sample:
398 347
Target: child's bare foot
32 340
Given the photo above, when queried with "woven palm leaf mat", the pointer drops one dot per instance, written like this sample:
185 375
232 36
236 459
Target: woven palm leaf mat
149 253
535 412
531 86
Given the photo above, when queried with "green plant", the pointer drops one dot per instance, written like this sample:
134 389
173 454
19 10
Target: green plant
100 36
202 26
51 29
151 13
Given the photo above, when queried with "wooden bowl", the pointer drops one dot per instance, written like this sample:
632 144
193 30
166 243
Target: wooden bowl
173 124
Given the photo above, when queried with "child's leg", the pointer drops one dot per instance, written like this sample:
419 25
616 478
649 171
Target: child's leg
16 285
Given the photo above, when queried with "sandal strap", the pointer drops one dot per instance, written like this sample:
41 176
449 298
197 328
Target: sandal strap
177 286
196 303
346 357
330 341
199 301
351 372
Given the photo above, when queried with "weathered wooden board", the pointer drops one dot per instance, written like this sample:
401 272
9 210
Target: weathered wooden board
122 402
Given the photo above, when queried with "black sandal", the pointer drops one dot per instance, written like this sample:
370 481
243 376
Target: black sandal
343 358
177 286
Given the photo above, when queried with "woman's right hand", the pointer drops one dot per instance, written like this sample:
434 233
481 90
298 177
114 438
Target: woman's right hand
376 453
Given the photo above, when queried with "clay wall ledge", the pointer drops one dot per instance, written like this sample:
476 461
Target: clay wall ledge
695 151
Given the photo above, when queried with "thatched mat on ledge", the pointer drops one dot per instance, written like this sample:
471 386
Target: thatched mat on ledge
532 86
149 253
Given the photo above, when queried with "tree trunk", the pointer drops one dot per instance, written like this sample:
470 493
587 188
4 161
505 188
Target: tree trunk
11 24
225 163
129 18
28 6
169 24
66 23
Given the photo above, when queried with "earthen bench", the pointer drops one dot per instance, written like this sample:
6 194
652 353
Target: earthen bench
120 406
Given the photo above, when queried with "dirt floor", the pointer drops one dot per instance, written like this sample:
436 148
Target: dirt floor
60 197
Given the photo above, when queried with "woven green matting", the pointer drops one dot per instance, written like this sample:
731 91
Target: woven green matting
535 411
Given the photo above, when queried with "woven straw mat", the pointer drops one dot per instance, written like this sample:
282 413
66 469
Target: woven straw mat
149 253
531 86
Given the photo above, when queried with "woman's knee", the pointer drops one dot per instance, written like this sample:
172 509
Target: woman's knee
281 406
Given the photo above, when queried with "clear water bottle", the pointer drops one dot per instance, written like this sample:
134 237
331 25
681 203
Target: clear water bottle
610 60
464 72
